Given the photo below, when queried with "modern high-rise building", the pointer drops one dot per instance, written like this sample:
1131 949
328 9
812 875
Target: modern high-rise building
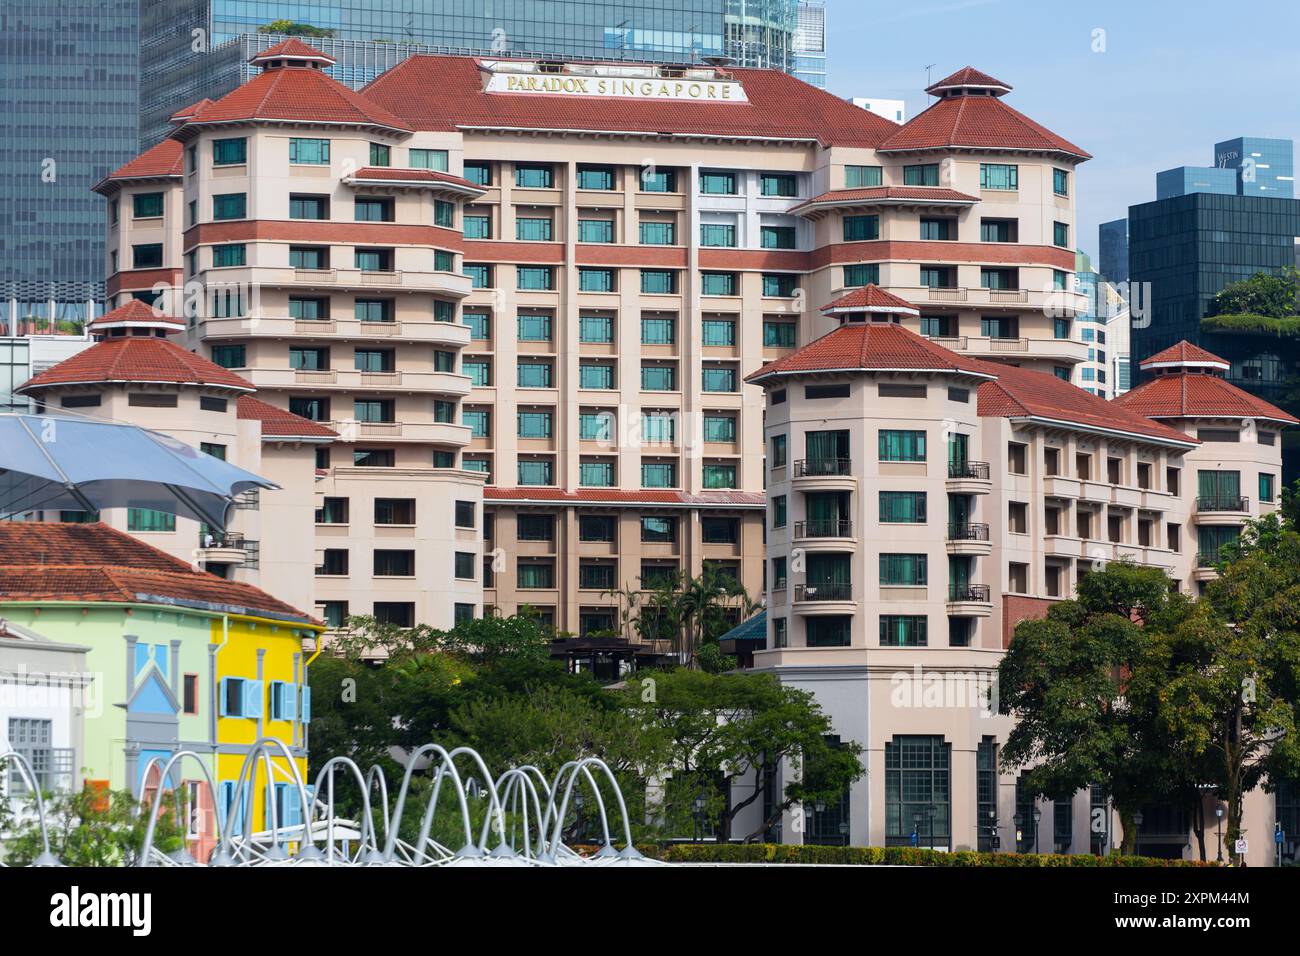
549 278
1195 179
68 102
1262 166
1112 248
810 43
893 110
191 49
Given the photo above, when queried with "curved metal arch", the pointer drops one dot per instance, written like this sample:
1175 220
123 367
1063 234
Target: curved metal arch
147 846
46 858
517 783
367 825
307 848
391 845
629 851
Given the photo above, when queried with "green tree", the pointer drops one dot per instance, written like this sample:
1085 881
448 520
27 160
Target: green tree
92 828
294 29
728 726
1270 295
1064 678
693 612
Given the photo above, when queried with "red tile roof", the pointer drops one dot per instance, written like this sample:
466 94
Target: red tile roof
164 161
615 496
188 112
83 563
871 298
294 94
1020 393
447 93
871 346
977 122
1184 353
137 359
138 313
391 173
291 49
278 423
888 195
968 76
1194 395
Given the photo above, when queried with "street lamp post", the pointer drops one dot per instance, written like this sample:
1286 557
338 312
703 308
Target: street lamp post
1137 833
1038 815
1218 812
930 812
697 811
995 839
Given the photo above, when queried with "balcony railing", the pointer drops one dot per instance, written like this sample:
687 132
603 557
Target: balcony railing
221 539
1222 503
823 592
973 593
999 344
822 467
969 469
967 531
1209 559
825 528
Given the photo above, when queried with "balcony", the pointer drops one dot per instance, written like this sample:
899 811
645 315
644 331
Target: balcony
441 383
411 280
824 598
969 478
830 528
227 548
438 433
449 334
1050 303
828 474
968 538
970 600
1222 503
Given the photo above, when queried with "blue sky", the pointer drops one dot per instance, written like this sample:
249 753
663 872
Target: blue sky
1174 79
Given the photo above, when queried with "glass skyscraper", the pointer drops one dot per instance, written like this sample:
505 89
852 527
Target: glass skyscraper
1112 248
1195 179
810 43
196 48
1263 167
68 107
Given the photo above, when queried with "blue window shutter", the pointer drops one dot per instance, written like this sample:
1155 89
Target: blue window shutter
292 811
253 698
227 797
288 703
306 704
222 695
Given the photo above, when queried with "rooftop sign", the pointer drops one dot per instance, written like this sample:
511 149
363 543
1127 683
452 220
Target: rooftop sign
641 88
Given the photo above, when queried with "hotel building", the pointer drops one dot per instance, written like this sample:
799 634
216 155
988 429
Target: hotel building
922 502
542 283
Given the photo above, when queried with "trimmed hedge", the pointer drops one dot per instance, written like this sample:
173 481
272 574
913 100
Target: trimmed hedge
888 856
1252 324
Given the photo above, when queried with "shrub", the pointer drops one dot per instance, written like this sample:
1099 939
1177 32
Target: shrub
888 856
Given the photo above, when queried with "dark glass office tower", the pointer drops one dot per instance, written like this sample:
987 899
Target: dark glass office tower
68 108
196 48
1264 167
1112 249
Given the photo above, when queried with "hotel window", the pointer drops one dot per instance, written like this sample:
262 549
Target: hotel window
373 310
533 229
1000 326
834 631
715 530
779 638
779 456
1061 235
478 420
658 331
534 177
939 325
535 527
396 613
309 152
480 325
1060 280
309 257
535 574
719 476
902 446
534 424
374 260
534 327
1018 458
1060 182
149 520
308 309
596 575
596 474
334 613
903 570
938 230
658 181
147 205
717 283
861 228
312 409
991 278
444 311
309 207
1002 176
902 507
479 372
779 285
534 375
779 511
444 411
598 528
718 379
538 471
717 183
864 273
858 177
477 226
998 230
309 359
596 177
535 278
658 282
229 206
658 428
428 159
718 234
658 378
334 563
938 277
480 174
776 237
918 791
444 213
595 426
595 375
778 334
784 185
229 152
903 630
657 233
923 175
718 332
372 409
480 275
596 230
229 255
1266 486
659 574
597 329
229 356
381 155
464 566
395 511
1061 328
720 428
658 474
